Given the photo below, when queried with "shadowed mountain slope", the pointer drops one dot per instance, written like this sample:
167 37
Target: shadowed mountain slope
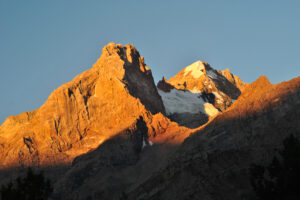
213 162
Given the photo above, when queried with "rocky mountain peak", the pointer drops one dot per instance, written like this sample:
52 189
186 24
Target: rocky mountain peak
198 92
81 114
128 51
258 89
196 69
261 82
128 54
235 80
124 63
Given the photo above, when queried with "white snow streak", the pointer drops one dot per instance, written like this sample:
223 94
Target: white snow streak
144 144
177 101
196 69
210 110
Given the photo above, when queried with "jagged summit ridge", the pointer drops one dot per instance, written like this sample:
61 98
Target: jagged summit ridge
235 80
130 68
127 53
198 92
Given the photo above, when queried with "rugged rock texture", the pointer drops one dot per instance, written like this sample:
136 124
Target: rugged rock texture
198 92
82 114
208 81
164 85
213 163
235 80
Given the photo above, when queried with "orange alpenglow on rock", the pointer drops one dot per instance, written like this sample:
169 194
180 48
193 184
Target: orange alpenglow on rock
80 115
198 93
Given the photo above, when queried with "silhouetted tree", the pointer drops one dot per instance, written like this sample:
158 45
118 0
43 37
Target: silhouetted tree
281 178
31 187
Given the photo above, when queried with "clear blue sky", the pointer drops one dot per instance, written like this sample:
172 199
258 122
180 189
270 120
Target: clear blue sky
44 44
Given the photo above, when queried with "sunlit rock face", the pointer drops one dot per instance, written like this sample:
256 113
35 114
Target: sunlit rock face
198 93
80 115
235 80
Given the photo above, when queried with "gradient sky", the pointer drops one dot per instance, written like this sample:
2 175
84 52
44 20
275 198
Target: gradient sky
44 44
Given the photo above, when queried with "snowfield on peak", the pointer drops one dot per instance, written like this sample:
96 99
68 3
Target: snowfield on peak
179 101
196 69
210 110
198 92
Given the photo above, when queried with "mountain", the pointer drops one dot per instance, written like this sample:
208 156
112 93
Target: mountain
110 133
198 93
213 163
107 100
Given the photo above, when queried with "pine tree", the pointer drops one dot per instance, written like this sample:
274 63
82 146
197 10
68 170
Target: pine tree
31 187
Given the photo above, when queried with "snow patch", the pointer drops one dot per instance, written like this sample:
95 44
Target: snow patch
196 69
210 110
195 90
144 144
178 101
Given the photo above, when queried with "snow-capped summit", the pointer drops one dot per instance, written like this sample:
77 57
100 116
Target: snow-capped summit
198 92
196 69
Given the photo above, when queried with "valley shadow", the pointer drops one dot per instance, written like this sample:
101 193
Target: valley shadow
124 160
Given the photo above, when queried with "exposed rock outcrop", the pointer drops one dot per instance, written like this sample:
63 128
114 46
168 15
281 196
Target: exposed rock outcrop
164 85
235 80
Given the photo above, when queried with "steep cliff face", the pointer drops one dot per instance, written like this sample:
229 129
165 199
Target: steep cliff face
82 114
213 162
235 80
198 93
